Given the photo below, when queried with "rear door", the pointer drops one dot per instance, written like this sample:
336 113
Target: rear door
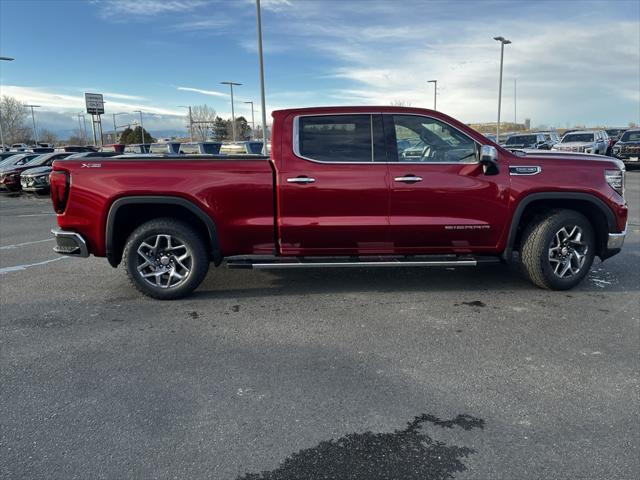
333 185
440 198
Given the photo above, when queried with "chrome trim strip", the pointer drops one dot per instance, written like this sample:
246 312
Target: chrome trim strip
81 245
616 240
434 263
536 171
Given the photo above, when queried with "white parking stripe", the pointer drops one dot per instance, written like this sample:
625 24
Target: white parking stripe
18 268
35 215
8 247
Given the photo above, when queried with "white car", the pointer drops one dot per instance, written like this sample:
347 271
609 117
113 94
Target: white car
588 141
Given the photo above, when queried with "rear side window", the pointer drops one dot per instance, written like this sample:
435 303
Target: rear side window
339 138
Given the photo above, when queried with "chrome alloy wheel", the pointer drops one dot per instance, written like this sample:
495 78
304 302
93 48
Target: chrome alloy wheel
164 261
568 252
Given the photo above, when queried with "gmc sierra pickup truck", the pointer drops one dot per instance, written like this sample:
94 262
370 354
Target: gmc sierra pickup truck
337 190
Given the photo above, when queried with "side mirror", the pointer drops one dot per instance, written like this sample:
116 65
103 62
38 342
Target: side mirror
489 160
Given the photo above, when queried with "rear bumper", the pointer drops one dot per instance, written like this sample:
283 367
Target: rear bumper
70 243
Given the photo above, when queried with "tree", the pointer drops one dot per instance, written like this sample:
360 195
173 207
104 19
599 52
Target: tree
203 118
258 132
129 136
221 129
13 115
243 130
400 103
47 136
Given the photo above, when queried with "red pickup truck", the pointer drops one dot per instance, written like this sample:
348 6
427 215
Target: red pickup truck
344 186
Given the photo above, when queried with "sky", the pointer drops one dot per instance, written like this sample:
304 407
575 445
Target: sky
575 62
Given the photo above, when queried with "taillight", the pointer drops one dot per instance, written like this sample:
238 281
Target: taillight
59 188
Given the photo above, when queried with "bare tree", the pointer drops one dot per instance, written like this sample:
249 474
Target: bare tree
13 116
47 136
400 103
203 117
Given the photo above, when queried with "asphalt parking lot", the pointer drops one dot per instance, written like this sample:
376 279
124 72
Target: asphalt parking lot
360 374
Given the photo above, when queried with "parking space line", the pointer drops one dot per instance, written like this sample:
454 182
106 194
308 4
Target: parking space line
9 247
19 268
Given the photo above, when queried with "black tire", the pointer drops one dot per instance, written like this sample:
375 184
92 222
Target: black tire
543 266
191 269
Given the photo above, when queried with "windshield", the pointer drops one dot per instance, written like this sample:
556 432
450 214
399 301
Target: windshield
631 137
522 140
578 137
38 161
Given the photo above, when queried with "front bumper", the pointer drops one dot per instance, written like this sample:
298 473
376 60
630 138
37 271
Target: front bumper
70 243
616 240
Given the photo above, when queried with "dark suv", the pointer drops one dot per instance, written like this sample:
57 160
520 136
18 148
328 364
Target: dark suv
627 148
529 140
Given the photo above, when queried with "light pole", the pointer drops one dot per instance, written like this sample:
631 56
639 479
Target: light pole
6 59
190 121
253 123
262 99
33 119
503 41
435 91
515 104
233 115
115 128
141 126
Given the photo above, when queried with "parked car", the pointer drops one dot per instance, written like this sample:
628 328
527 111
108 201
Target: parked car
491 137
11 168
77 148
589 141
114 147
81 155
168 148
19 147
528 140
138 148
239 148
627 148
615 133
551 136
209 148
35 176
336 193
40 149
4 155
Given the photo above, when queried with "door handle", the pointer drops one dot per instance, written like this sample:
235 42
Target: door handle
409 178
301 179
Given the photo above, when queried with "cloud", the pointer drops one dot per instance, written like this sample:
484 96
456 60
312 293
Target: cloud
121 9
203 92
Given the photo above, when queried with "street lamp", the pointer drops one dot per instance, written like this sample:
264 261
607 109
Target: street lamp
262 99
33 119
253 123
503 41
141 126
233 115
115 128
7 59
190 120
435 91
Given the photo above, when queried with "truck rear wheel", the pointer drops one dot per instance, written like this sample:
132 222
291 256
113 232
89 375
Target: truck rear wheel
165 259
557 251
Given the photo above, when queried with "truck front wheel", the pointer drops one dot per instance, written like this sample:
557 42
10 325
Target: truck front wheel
557 251
165 259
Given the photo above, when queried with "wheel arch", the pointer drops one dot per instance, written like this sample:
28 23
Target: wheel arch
127 213
533 205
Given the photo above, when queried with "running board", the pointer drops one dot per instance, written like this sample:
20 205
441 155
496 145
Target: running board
310 262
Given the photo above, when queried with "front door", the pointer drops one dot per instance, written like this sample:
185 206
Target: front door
333 186
440 198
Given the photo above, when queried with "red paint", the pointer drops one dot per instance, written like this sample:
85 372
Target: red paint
349 209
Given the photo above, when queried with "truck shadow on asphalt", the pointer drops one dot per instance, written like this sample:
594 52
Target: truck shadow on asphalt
408 454
241 283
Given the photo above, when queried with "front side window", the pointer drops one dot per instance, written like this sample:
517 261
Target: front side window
341 138
424 139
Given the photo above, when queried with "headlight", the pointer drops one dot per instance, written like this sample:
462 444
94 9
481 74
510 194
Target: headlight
615 179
